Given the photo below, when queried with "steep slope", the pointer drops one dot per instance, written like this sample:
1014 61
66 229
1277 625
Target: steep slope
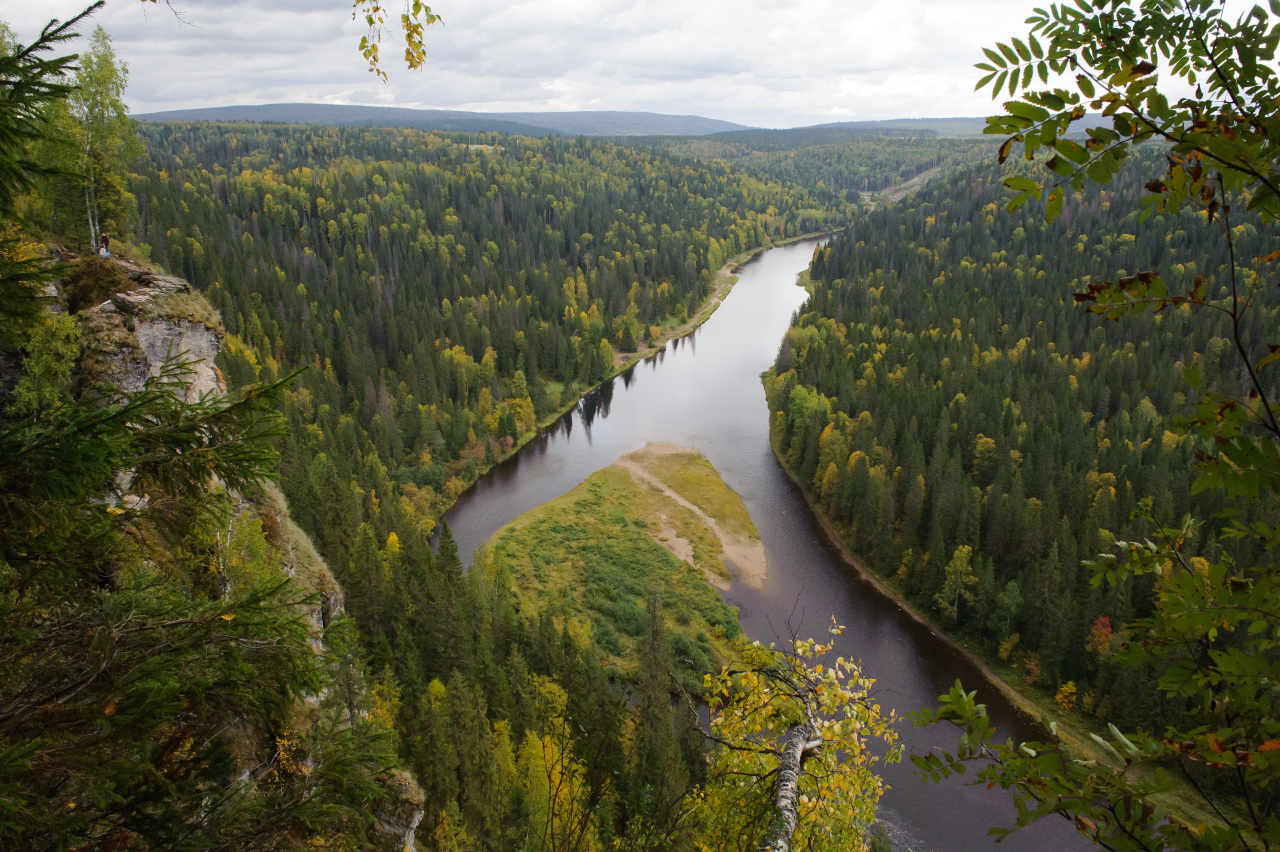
974 434
210 555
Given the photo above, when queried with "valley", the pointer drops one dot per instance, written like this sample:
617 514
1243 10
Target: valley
530 475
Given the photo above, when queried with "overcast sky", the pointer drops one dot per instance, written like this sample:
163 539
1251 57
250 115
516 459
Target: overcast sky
767 63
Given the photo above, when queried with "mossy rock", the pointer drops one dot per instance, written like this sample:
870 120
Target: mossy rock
110 352
92 281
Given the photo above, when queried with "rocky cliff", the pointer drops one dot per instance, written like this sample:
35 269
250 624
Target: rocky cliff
146 318
133 320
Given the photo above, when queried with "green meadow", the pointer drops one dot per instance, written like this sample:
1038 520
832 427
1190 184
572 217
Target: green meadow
598 553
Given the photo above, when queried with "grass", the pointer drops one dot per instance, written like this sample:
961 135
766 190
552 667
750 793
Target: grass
191 307
593 553
108 349
693 478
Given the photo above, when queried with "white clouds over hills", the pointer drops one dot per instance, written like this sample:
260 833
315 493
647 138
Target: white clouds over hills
770 64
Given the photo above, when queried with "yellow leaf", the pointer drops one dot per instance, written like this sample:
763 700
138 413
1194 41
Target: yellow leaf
228 616
1269 745
110 709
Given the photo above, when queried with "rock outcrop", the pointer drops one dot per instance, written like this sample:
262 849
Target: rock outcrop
153 318
145 319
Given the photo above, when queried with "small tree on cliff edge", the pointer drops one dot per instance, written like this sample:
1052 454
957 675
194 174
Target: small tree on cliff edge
1215 632
103 132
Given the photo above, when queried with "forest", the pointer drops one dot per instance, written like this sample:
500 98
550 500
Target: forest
835 163
190 658
975 435
442 296
445 295
396 309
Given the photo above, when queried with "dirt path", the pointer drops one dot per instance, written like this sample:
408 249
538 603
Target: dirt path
897 193
744 557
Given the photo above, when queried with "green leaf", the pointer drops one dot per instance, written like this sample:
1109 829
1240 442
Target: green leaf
1053 208
995 57
1086 85
1022 109
1073 151
1052 101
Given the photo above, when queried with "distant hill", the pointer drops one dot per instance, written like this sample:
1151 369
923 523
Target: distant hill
851 131
960 126
524 123
624 123
586 123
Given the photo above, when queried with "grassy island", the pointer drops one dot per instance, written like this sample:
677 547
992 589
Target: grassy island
658 518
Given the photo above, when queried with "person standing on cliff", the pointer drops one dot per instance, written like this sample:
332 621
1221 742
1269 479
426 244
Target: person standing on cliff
104 245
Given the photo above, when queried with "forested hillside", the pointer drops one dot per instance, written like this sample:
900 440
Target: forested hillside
837 163
974 434
568 123
445 295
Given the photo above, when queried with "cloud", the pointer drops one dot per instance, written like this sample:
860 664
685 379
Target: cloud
772 64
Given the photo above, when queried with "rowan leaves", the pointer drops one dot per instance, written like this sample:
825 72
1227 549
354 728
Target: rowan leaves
1212 633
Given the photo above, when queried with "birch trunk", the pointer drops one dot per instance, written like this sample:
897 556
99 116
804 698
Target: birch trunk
801 739
89 189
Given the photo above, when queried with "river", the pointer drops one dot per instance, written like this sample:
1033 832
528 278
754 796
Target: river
705 391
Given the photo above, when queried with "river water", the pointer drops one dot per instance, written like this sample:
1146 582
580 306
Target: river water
705 391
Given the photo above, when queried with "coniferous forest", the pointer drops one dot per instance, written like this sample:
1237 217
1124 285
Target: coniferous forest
975 435
447 295
834 163
1032 398
441 295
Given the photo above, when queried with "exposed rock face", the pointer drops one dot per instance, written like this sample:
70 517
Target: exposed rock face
136 330
400 812
126 340
163 339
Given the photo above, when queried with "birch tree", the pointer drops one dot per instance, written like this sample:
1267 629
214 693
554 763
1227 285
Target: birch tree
794 767
104 133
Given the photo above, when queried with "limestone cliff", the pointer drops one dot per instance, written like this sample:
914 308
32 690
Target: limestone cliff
132 320
146 318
